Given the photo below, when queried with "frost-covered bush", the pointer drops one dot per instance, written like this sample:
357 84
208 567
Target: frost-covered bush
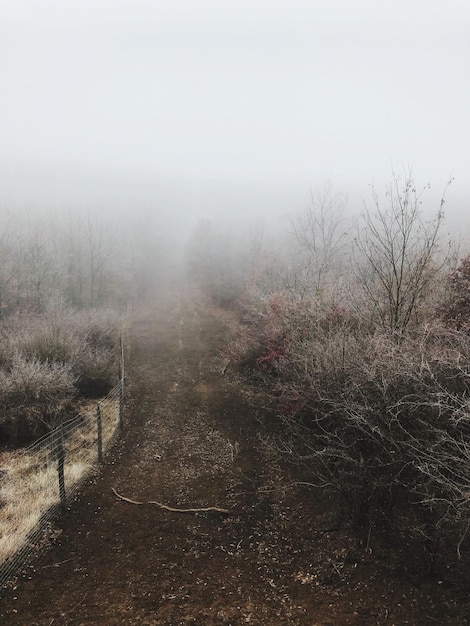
96 370
374 415
455 307
47 341
99 328
96 361
33 396
46 359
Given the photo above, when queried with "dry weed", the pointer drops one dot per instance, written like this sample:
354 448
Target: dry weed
29 488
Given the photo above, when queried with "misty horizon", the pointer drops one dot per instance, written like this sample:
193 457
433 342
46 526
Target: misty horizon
202 109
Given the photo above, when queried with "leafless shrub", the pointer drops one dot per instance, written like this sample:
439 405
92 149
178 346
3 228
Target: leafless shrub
455 307
98 327
46 341
49 357
96 360
276 324
320 231
373 418
96 370
33 395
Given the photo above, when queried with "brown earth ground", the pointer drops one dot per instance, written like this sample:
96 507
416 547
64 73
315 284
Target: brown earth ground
193 439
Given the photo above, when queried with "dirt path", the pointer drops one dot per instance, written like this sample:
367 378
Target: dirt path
191 440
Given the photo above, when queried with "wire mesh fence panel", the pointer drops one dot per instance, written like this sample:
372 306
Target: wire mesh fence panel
35 481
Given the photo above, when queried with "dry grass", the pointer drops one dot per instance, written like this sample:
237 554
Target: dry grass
29 488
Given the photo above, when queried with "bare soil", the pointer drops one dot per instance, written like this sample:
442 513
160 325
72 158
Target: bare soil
193 438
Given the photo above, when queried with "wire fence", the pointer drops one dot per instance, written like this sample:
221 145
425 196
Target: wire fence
38 481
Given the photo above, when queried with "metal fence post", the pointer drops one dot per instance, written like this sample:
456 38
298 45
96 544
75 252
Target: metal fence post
100 433
60 462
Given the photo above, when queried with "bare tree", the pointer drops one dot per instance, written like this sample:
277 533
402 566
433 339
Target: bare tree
320 231
40 270
398 253
90 259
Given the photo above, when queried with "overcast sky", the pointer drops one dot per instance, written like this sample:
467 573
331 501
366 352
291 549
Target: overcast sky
227 94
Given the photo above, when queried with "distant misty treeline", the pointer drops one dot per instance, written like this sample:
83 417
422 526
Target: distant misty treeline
85 258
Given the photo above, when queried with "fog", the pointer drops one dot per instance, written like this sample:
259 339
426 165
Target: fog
194 109
250 187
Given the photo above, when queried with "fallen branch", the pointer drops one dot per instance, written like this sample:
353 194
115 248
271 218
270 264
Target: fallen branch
203 510
169 508
123 498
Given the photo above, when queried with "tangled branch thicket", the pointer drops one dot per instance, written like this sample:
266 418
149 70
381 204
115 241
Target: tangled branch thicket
371 383
374 418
